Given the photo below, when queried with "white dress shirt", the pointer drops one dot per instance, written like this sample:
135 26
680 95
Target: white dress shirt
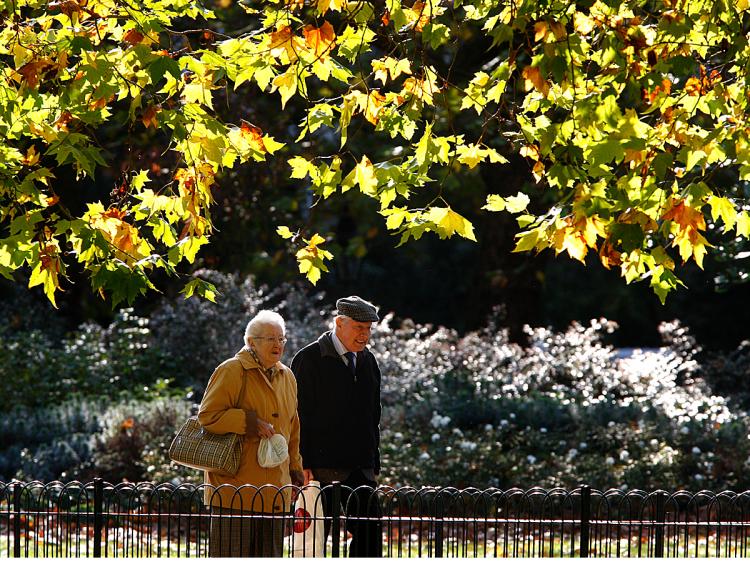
340 349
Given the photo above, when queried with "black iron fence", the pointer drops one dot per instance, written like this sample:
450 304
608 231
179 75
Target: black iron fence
98 519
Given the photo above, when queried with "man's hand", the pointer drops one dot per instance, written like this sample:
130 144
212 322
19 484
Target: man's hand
265 429
308 475
297 478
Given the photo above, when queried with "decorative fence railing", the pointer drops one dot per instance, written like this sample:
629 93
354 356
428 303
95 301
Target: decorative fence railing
141 520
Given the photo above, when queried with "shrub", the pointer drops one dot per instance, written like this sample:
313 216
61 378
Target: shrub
472 409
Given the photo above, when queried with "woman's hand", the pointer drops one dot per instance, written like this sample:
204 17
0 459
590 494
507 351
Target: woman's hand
265 429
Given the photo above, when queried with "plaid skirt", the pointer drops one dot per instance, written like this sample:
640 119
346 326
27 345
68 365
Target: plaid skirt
236 533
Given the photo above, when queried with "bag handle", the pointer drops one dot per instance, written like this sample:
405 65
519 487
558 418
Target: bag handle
242 388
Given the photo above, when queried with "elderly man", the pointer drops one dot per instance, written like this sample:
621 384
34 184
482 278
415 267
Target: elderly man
338 391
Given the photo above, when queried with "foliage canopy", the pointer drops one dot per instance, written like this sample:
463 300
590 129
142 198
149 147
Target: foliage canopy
631 117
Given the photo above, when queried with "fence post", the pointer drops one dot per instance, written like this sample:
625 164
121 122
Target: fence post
439 521
661 518
335 519
17 519
585 520
98 516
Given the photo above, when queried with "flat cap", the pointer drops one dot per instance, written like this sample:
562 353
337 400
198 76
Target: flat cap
357 309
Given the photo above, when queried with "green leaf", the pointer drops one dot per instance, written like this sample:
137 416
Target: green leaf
201 288
162 66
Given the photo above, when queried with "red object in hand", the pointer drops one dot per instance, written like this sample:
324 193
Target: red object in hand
302 520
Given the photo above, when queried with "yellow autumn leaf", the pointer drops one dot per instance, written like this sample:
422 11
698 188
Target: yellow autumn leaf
516 203
364 176
494 203
390 66
373 106
423 88
471 154
723 208
571 240
284 232
325 5
583 24
286 84
743 224
395 217
285 45
449 222
46 271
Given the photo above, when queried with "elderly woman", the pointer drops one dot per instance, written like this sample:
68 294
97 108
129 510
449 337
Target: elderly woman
248 522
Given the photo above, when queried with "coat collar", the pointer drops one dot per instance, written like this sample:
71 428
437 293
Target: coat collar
247 361
326 346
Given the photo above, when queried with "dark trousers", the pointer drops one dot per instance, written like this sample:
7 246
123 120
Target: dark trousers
360 510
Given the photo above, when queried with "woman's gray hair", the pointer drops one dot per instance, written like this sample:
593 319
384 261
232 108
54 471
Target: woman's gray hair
263 318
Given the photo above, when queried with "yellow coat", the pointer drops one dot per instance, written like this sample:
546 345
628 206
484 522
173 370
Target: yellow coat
274 402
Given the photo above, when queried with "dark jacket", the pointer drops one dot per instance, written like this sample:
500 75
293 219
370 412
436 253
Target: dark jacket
339 416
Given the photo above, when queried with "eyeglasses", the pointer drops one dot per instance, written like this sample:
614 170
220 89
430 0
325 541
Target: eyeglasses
280 341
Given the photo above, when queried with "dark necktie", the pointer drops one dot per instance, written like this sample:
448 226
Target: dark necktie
350 360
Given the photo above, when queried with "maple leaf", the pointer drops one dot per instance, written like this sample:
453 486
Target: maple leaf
67 7
284 41
723 208
701 85
286 84
253 134
422 14
311 258
664 88
449 222
148 118
46 270
684 215
61 123
373 105
389 66
364 175
530 151
32 71
540 30
583 24
743 224
609 256
533 78
133 36
31 157
320 39
335 5
471 155
423 88
687 238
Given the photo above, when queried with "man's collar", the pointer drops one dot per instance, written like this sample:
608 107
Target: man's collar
326 345
340 347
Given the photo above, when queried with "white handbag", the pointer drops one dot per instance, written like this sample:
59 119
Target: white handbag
308 539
